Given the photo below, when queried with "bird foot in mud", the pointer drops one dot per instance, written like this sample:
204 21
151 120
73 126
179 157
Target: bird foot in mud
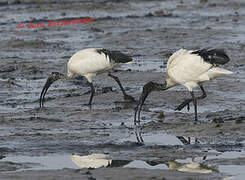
87 104
182 105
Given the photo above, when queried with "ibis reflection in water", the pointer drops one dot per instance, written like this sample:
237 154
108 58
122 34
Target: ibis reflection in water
91 161
88 63
190 69
138 132
191 166
104 160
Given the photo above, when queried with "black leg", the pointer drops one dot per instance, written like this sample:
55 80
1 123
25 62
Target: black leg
187 101
203 93
187 141
183 140
138 134
126 96
92 93
195 104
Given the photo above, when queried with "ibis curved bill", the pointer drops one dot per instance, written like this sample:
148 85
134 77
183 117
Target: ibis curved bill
54 76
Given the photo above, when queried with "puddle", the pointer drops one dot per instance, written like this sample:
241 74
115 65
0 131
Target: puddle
48 162
228 155
237 171
54 162
231 171
171 165
226 163
159 138
197 165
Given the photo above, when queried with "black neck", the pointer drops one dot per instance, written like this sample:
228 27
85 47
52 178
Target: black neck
147 89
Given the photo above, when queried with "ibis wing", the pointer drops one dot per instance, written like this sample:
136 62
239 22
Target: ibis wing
187 68
115 56
213 56
192 66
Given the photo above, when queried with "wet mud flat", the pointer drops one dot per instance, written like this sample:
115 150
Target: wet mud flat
38 143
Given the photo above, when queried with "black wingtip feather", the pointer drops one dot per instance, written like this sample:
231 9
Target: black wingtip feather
213 56
115 56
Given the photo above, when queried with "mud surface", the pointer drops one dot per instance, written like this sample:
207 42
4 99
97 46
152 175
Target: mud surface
149 31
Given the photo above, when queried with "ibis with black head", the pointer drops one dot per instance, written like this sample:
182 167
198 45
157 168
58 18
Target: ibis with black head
88 63
190 69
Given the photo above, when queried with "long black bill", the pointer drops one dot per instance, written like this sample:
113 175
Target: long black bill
54 76
147 89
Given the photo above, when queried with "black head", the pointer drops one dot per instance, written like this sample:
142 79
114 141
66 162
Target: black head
55 76
147 89
52 77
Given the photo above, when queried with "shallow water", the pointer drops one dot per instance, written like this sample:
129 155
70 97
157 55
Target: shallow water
60 161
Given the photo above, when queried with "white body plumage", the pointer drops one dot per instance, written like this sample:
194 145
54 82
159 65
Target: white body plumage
189 69
88 63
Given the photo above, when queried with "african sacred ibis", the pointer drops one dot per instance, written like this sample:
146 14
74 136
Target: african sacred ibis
190 69
88 63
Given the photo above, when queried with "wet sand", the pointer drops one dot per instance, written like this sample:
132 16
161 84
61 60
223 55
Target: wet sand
149 31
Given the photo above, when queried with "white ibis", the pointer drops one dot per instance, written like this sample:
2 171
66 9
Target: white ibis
190 69
88 63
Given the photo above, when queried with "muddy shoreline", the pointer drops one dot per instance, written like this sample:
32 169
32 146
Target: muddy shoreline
168 142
